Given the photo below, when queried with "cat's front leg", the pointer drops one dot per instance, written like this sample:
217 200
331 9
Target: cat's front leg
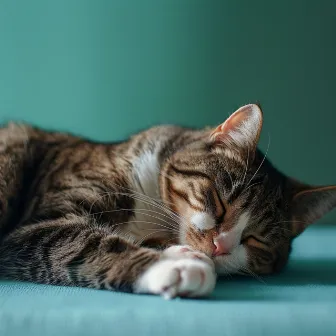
185 251
181 271
178 277
75 251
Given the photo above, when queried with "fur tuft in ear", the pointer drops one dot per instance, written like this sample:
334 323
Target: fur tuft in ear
310 204
241 131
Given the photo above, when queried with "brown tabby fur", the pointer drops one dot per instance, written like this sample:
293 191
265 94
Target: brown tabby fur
62 199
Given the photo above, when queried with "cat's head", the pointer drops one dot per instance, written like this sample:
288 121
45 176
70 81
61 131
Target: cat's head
233 204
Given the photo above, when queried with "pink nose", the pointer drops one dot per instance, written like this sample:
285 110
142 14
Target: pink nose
220 248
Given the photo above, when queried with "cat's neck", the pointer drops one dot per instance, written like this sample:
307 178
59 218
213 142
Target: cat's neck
145 175
152 219
152 148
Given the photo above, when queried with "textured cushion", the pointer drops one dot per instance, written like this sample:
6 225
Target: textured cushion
301 301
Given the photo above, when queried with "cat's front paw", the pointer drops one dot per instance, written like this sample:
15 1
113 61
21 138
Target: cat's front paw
185 251
182 277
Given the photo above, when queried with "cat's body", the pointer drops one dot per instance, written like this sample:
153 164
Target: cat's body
62 196
80 213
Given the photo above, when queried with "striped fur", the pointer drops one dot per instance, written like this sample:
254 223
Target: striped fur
82 213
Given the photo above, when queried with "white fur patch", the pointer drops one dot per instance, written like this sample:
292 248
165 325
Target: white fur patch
241 224
203 221
185 251
182 277
150 219
232 238
237 259
147 174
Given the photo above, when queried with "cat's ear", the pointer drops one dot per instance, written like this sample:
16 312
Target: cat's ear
309 204
241 131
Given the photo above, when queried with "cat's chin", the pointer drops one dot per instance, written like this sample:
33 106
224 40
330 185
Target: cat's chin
231 263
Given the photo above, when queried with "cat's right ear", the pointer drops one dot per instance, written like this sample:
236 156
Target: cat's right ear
309 203
241 131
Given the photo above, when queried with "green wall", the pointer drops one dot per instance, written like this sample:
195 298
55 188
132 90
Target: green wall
108 68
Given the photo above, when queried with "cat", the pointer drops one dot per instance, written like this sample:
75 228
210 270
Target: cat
161 213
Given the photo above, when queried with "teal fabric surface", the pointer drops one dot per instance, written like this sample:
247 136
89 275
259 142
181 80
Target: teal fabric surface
300 301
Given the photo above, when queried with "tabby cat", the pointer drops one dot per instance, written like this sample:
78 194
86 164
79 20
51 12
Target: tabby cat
161 213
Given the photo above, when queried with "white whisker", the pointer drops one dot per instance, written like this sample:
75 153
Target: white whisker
144 238
248 187
138 211
147 222
247 164
269 141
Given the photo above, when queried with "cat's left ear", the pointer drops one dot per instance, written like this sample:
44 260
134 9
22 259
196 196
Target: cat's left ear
310 204
241 131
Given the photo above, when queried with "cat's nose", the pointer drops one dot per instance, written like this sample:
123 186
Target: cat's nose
220 247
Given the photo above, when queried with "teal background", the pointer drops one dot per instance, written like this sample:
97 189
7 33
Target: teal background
105 69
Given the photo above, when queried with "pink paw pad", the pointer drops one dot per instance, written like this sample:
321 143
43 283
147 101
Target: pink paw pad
185 249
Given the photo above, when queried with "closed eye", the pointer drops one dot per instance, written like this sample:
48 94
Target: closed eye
255 241
220 208
220 219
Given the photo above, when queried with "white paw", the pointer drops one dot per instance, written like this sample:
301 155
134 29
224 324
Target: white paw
182 277
185 251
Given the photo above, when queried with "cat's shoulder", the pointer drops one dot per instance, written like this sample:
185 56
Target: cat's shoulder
163 132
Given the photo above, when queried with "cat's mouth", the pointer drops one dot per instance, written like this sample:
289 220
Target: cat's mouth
221 254
232 262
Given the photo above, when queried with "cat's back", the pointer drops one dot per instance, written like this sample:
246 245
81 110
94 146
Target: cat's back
16 136
41 167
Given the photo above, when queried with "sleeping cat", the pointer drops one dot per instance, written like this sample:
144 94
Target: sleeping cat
161 213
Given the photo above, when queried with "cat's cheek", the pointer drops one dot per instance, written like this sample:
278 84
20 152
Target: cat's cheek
232 263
